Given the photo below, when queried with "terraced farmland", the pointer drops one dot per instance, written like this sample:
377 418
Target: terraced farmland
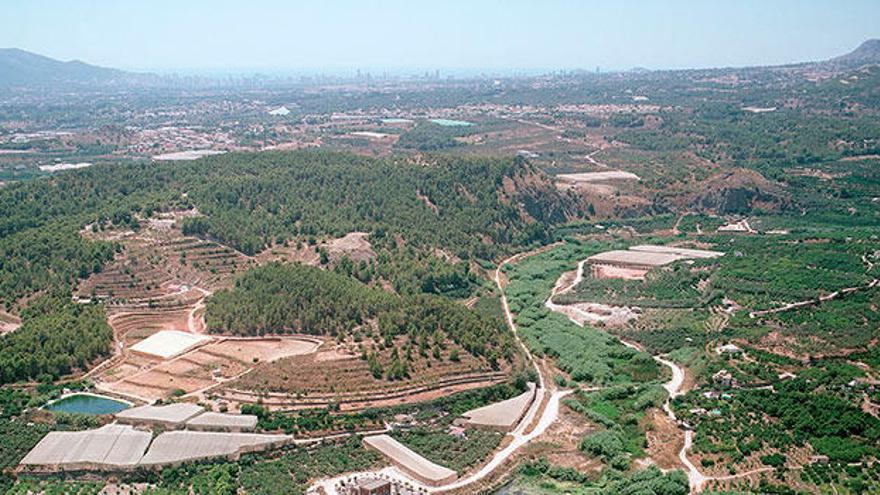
337 377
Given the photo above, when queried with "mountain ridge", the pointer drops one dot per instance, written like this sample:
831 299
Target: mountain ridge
19 67
23 68
867 52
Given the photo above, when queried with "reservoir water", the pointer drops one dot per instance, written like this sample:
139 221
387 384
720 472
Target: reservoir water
87 404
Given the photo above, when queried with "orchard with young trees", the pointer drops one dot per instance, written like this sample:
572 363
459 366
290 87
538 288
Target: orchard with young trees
278 298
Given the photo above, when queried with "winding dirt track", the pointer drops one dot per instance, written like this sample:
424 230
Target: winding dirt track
520 436
815 301
195 323
332 486
696 479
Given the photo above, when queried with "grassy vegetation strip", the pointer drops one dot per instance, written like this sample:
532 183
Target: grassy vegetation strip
587 354
542 478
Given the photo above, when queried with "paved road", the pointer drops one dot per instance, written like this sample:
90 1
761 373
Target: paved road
520 437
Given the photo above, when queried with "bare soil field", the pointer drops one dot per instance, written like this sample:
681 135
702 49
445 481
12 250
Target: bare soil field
353 245
665 440
262 349
610 271
559 444
198 369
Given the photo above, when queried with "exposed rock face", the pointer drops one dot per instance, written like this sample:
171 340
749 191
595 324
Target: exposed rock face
738 191
537 198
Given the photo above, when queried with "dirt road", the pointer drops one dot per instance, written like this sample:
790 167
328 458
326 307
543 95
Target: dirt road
332 486
815 301
696 479
194 323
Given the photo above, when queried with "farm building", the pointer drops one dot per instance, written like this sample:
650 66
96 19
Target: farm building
633 259
370 135
413 464
117 447
741 227
729 349
211 421
598 176
176 447
279 112
724 379
111 447
635 262
167 344
187 155
371 486
683 253
502 416
170 416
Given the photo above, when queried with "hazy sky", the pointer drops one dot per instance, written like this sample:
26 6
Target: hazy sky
452 34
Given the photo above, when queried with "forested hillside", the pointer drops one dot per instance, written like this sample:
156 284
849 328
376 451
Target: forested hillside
57 336
279 298
460 204
470 207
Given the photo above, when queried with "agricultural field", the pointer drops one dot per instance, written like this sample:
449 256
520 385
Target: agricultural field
542 478
741 442
198 370
342 377
428 431
387 348
57 488
586 355
617 388
781 419
329 266
800 293
676 286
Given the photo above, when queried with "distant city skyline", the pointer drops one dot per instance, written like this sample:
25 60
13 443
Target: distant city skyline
455 37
